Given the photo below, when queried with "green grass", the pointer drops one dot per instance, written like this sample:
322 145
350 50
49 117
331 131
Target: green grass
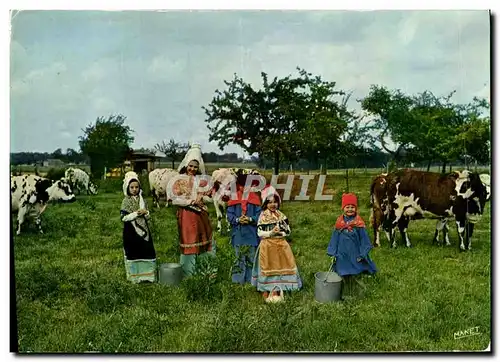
72 295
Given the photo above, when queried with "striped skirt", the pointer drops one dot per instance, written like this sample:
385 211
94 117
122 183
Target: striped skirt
141 270
274 267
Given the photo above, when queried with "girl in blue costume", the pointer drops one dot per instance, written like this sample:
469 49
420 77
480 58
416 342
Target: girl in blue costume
350 244
243 213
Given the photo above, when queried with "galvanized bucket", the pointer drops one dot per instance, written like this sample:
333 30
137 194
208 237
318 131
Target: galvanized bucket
170 274
328 286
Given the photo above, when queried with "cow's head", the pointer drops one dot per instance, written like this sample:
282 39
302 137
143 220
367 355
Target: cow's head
485 179
222 180
42 194
60 191
475 194
224 190
92 188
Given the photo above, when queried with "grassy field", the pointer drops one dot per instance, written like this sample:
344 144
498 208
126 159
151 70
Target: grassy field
72 295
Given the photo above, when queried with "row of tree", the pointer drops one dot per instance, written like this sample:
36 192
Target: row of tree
307 118
34 158
174 151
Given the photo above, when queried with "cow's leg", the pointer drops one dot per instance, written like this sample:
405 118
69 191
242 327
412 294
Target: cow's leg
439 226
228 225
469 230
377 216
388 236
38 223
156 199
376 235
389 226
446 232
21 215
403 229
461 233
219 215
392 236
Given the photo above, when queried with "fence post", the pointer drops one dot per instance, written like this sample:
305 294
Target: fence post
347 179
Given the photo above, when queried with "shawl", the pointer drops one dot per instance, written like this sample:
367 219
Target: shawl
341 224
271 217
252 198
132 204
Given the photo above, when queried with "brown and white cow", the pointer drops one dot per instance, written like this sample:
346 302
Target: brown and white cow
222 180
158 182
404 195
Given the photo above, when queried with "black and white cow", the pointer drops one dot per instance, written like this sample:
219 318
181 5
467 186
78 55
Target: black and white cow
404 195
80 180
222 179
30 195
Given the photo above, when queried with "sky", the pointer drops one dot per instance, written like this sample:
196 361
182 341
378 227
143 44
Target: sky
158 68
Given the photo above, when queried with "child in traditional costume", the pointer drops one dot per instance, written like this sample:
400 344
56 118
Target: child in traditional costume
350 244
139 251
195 231
274 269
243 214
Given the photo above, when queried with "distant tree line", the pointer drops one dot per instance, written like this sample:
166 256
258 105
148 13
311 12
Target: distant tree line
73 157
37 158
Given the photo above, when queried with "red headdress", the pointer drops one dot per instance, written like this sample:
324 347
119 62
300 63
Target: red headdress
349 199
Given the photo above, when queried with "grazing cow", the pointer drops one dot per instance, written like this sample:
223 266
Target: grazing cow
158 182
30 195
222 179
403 195
80 180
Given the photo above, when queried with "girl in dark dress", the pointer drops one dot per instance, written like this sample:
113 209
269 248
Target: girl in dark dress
139 251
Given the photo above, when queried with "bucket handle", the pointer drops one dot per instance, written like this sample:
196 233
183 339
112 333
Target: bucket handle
329 270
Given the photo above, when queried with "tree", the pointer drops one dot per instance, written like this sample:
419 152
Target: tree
438 125
391 110
427 127
106 143
327 120
474 138
260 121
173 150
57 154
